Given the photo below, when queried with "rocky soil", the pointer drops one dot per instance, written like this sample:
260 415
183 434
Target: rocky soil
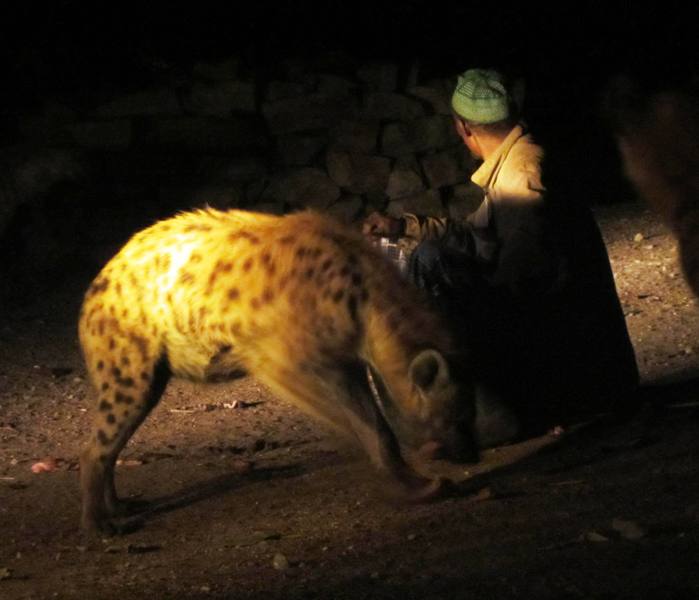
250 499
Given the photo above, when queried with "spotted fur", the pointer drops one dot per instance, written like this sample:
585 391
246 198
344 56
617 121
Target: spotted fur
299 302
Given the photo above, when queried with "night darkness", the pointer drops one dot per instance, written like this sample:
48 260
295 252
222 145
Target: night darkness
66 46
73 51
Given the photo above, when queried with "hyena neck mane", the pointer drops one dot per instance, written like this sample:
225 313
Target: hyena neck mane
401 325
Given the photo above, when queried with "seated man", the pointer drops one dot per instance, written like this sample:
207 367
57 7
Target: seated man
525 279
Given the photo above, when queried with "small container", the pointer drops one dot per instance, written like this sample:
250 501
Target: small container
394 251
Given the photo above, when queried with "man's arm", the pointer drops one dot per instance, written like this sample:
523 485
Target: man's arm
473 236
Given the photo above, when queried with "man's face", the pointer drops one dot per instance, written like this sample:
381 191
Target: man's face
468 138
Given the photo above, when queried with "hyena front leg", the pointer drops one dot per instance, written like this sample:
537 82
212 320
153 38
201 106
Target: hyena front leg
338 393
127 393
377 438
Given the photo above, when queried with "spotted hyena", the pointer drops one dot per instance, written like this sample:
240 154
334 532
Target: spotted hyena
299 302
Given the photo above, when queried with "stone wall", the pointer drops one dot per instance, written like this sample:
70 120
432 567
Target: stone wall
345 139
81 173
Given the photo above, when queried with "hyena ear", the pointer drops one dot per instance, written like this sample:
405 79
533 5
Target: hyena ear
429 371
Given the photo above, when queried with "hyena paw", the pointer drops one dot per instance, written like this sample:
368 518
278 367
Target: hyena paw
416 489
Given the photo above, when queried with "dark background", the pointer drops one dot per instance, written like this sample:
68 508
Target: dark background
83 53
71 50
65 46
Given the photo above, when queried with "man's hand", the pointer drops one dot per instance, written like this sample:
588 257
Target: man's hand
377 224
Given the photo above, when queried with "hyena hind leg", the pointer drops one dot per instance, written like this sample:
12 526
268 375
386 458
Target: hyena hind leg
115 422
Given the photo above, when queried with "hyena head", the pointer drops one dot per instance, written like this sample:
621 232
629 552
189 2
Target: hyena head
436 414
445 418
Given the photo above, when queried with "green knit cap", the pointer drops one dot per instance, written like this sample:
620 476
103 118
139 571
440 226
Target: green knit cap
481 97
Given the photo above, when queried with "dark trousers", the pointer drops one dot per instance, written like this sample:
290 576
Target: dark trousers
553 357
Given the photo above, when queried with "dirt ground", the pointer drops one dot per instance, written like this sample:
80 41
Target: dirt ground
250 499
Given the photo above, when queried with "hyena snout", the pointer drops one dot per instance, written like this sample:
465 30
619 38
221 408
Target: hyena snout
455 445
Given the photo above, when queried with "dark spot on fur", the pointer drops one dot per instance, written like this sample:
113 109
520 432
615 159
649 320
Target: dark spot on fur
99 285
364 296
197 227
118 289
310 303
247 265
111 419
195 258
179 325
287 239
124 313
186 278
352 307
309 273
104 386
212 280
105 406
120 398
125 362
267 296
102 437
316 252
255 303
327 263
267 263
233 293
246 235
225 348
301 252
126 382
116 371
356 279
338 295
345 271
100 365
145 376
236 328
112 344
